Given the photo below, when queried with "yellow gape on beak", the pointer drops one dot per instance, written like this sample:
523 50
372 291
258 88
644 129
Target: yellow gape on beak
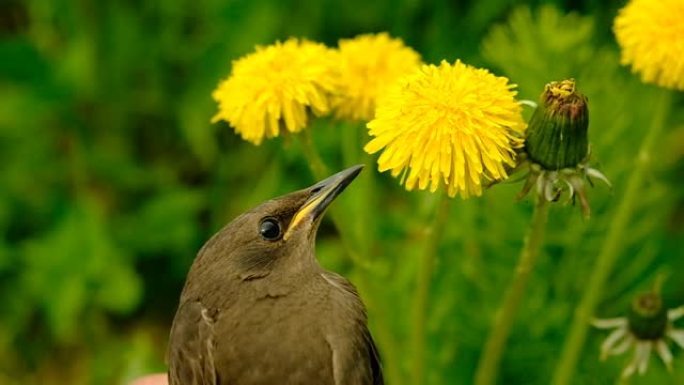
322 194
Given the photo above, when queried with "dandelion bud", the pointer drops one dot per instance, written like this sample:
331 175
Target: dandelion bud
556 146
647 317
557 133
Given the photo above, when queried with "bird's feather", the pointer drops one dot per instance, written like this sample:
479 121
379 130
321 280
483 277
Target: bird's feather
360 356
191 357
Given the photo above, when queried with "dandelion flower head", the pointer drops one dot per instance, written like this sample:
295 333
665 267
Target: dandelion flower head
368 65
651 36
452 125
646 329
274 87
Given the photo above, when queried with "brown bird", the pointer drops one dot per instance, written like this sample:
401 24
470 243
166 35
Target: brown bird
258 309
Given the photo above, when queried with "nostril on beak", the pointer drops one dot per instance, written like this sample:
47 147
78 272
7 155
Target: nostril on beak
316 189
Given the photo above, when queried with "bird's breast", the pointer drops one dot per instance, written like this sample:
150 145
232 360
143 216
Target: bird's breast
278 337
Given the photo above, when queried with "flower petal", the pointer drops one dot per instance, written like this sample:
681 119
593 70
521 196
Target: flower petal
676 313
644 352
623 346
664 353
608 323
677 336
609 344
631 367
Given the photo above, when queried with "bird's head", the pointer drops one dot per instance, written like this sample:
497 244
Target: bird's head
278 235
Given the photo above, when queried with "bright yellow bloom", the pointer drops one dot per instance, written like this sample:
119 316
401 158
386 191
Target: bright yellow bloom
451 124
274 88
368 65
651 35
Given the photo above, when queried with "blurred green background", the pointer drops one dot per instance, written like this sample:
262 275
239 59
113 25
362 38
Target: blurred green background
112 177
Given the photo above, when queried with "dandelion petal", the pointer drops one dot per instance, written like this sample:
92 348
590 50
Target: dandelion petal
676 313
643 350
664 353
677 336
610 342
609 323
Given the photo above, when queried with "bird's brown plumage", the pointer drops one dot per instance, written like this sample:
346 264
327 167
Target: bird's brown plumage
258 311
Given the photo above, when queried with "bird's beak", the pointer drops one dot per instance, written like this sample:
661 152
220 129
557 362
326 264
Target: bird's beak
322 194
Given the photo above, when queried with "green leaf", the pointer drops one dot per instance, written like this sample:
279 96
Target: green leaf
535 48
75 269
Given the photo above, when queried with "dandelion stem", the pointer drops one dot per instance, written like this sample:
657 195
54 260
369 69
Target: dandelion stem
611 247
320 171
488 366
423 281
316 164
362 194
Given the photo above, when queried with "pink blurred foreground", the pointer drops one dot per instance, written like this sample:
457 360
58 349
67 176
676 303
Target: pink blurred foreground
153 379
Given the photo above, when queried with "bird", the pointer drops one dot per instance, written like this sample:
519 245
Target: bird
258 309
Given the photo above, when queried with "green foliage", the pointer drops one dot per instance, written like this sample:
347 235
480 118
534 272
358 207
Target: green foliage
536 48
113 177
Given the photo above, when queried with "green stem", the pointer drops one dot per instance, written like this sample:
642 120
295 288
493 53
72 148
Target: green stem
349 142
488 367
423 281
320 171
314 159
611 247
472 256
360 195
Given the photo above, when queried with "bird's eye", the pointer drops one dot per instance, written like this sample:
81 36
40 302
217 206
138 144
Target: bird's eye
270 229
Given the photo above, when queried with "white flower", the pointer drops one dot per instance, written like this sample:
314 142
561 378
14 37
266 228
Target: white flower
627 335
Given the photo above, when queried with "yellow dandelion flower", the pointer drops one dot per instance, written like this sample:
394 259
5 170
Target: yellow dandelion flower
651 36
368 65
451 124
275 87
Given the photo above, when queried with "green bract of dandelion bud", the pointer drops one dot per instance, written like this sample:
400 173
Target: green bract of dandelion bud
648 317
557 133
